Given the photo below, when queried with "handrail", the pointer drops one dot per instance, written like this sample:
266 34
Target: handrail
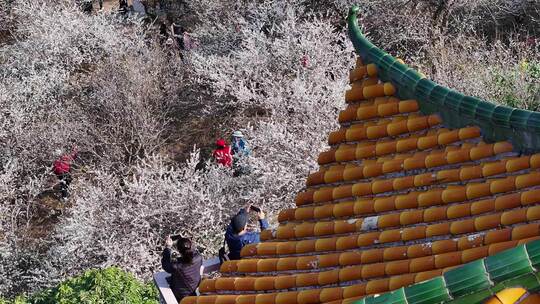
498 122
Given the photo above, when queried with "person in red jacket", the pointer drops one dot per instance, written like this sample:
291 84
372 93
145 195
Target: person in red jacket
222 153
62 169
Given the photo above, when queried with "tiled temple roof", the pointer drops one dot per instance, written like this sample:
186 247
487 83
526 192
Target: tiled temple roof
418 181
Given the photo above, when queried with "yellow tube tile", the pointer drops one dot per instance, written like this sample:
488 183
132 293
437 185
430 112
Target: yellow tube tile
397 267
365 152
514 217
327 244
399 281
323 228
306 279
368 239
533 213
470 241
372 170
331 294
347 274
458 156
508 201
472 172
417 124
377 286
444 246
289 297
496 248
397 128
438 229
350 258
498 236
246 266
475 190
285 248
454 194
366 112
343 209
525 231
285 232
389 236
413 233
363 207
372 256
384 148
316 178
373 270
328 277
265 298
482 206
407 106
430 198
267 265
414 163
381 186
527 180
323 195
229 266
407 201
284 264
244 284
422 264
333 176
395 253
518 164
448 259
530 197
328 260
406 144
207 285
303 213
486 222
353 174
392 166
305 246
376 132
502 147
419 250
462 227
481 151
225 283
474 254
205 300
458 211
535 161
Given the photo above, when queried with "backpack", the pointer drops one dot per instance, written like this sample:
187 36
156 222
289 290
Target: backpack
223 255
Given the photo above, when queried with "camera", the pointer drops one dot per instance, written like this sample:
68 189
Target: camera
254 209
176 237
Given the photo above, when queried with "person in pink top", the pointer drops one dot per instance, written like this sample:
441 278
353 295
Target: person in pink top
62 170
222 153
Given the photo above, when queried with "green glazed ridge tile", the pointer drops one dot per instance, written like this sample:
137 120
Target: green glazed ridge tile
533 251
508 264
469 278
426 292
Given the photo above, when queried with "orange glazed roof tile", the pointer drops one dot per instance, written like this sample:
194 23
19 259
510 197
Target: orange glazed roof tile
401 197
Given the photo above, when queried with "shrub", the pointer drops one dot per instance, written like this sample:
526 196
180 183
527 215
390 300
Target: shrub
110 285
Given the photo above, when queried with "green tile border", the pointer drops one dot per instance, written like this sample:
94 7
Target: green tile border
521 127
473 282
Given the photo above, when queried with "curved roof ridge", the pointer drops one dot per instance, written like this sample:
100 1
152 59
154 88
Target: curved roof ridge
498 122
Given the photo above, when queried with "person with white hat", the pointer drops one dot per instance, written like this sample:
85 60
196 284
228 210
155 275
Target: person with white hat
239 145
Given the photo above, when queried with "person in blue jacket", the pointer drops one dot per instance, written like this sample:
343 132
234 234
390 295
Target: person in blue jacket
239 145
237 236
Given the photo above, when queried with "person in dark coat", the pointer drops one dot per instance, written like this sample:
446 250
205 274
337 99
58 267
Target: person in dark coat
237 236
185 271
